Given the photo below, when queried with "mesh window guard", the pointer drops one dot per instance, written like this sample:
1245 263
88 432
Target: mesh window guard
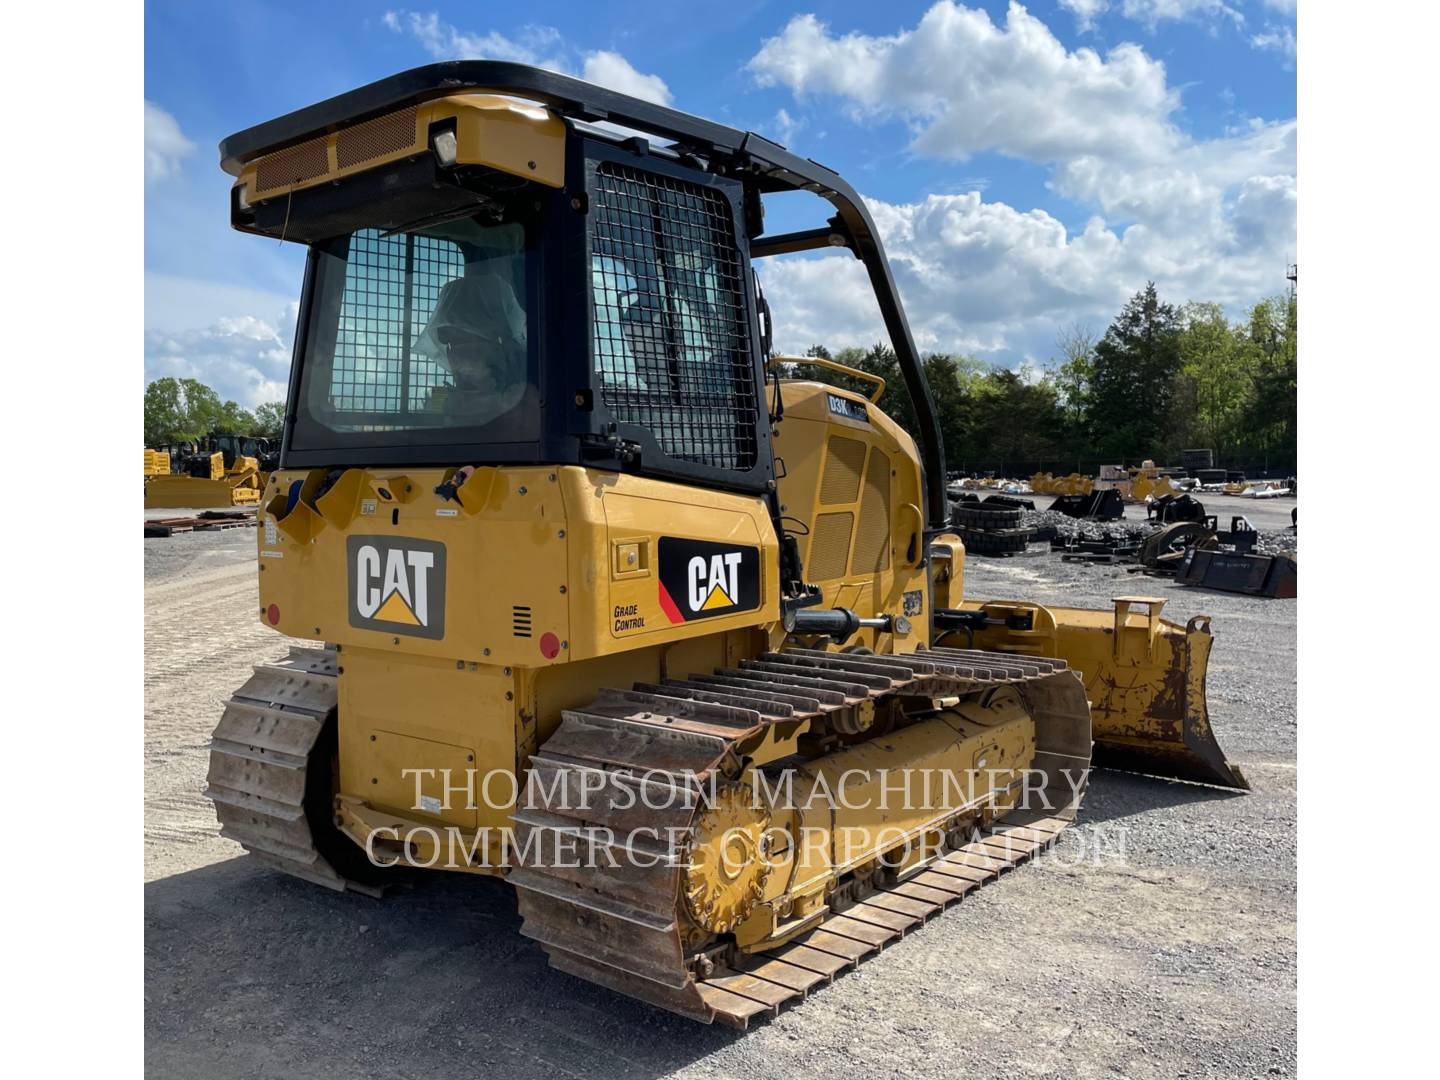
375 368
671 341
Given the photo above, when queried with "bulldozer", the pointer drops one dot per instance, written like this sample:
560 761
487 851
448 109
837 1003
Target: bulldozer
587 593
218 470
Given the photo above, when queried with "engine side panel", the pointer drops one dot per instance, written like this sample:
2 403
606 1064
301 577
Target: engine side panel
851 488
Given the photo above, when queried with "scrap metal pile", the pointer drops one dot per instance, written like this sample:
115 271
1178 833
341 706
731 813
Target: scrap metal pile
1178 539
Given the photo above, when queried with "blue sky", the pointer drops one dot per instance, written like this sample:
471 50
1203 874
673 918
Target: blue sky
1029 166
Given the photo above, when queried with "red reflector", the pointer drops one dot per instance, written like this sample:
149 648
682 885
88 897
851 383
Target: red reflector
549 646
273 614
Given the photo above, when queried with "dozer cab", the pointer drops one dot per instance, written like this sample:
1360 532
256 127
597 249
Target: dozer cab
611 609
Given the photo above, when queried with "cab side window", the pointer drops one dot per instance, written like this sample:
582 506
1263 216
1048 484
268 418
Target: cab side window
670 339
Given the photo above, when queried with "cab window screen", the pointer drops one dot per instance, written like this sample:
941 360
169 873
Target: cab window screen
375 364
420 338
670 336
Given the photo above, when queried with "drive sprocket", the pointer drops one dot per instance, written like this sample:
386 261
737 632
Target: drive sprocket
726 871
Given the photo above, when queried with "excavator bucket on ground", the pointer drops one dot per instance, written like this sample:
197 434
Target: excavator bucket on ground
1144 676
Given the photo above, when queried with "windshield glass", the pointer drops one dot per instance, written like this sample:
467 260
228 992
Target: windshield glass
420 337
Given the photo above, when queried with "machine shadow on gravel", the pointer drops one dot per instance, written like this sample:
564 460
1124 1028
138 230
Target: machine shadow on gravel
1113 795
241 956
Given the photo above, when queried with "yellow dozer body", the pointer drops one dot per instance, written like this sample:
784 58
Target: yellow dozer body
157 463
1146 484
1073 484
239 485
681 653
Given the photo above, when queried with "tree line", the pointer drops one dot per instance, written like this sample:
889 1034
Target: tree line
184 410
1160 379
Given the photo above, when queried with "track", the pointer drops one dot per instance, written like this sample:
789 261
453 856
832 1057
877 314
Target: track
619 921
623 926
258 764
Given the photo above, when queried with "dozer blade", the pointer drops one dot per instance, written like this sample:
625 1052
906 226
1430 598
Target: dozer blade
1144 675
197 493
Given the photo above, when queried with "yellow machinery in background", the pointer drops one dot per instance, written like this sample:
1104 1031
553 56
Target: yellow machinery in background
561 527
157 463
1073 484
1144 483
206 483
1144 487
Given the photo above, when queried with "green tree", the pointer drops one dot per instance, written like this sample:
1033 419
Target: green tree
203 408
231 419
165 418
270 419
1016 417
184 410
1074 369
1159 380
1132 382
1071 374
954 384
1271 422
1216 377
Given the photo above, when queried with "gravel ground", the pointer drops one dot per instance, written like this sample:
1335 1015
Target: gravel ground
1158 940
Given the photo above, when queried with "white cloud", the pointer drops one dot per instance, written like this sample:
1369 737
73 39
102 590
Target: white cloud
446 42
165 144
245 358
1280 38
968 85
1153 12
175 302
614 72
543 46
1188 185
1205 219
785 127
982 277
1085 11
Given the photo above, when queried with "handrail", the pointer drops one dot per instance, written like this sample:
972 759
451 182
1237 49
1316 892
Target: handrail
834 365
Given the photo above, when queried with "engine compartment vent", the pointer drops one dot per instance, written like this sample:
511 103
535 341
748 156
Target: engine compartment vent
520 620
844 461
872 538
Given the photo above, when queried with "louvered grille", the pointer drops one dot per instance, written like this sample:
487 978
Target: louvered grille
844 462
872 540
829 546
